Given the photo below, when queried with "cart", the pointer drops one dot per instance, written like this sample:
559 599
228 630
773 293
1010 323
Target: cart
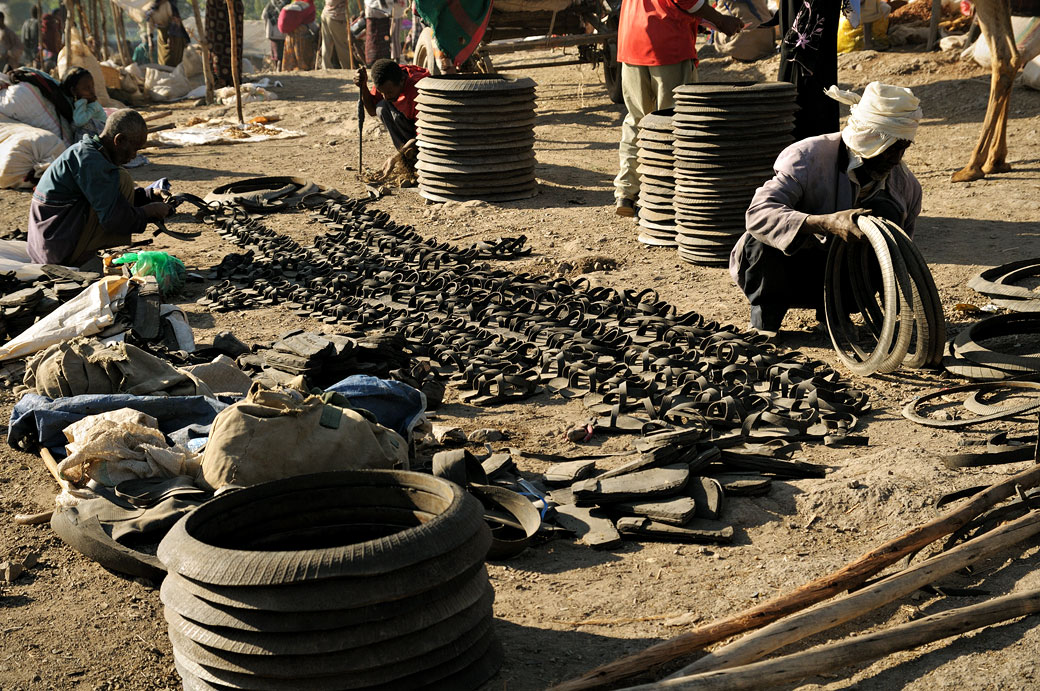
527 25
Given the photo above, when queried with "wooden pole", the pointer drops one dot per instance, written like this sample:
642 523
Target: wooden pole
207 68
69 14
350 41
235 64
828 615
848 577
39 35
770 673
104 29
120 30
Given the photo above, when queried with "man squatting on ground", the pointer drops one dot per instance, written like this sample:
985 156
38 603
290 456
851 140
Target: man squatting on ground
87 200
393 98
819 186
657 49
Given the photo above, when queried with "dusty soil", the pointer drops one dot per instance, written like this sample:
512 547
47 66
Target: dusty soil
562 608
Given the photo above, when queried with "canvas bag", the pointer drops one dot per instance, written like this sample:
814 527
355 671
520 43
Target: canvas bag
274 434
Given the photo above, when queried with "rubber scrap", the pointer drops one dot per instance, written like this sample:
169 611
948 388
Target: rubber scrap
588 525
656 482
697 530
568 473
674 511
707 495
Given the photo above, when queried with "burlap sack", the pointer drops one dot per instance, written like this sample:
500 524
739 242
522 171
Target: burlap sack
274 434
86 366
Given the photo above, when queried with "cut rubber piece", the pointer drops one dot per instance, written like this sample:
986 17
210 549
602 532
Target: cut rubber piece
639 485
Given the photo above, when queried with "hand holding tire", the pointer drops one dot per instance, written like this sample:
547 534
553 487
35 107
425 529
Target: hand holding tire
840 224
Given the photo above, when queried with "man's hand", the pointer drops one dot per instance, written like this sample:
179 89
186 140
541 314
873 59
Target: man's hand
728 24
156 210
361 78
840 224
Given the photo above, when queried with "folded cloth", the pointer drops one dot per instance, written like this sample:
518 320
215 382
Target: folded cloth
40 421
394 404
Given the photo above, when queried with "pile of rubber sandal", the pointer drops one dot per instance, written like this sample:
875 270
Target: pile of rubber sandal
673 489
656 180
1000 448
1000 284
981 403
476 138
727 137
907 327
348 580
506 337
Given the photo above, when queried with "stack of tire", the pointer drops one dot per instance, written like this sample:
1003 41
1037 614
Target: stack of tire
344 580
476 138
727 137
656 180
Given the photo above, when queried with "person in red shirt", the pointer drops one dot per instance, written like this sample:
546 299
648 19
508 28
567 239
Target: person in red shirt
393 98
657 51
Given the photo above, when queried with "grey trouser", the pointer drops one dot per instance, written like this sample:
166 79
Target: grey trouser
401 129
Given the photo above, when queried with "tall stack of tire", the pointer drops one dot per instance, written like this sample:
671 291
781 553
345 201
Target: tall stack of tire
656 179
344 580
727 137
476 138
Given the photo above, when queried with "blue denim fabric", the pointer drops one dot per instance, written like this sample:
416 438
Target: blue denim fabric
394 404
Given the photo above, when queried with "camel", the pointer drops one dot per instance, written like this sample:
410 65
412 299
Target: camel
1006 59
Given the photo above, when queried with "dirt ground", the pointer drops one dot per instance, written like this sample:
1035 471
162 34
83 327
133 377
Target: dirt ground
562 608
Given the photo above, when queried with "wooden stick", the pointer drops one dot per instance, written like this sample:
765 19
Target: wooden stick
846 578
233 28
120 26
39 35
104 29
33 518
826 616
69 14
207 68
52 465
350 40
158 115
858 649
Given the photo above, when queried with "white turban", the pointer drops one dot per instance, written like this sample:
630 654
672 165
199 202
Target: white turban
880 117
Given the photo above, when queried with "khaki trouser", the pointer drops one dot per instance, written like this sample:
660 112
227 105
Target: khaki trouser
94 237
645 89
334 42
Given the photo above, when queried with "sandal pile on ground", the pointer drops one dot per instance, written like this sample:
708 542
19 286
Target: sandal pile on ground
504 337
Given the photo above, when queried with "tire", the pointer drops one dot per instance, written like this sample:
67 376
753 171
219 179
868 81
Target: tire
426 52
461 84
247 621
340 580
199 559
331 640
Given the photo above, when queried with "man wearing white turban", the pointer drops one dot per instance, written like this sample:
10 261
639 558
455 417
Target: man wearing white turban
819 186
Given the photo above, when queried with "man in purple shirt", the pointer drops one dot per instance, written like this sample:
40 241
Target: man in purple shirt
819 186
86 200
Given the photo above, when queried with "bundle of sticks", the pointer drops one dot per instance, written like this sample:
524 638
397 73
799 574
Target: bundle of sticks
793 617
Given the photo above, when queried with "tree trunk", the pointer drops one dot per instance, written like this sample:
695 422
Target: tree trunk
69 14
207 68
235 64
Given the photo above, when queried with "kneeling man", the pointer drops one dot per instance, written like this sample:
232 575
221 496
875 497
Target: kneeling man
87 200
819 186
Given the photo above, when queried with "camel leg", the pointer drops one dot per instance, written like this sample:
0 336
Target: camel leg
997 160
995 23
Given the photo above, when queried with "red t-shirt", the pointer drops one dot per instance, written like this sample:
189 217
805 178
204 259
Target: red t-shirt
657 32
406 101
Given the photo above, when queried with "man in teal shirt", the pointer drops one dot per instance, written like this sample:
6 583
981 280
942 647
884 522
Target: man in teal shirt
87 201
